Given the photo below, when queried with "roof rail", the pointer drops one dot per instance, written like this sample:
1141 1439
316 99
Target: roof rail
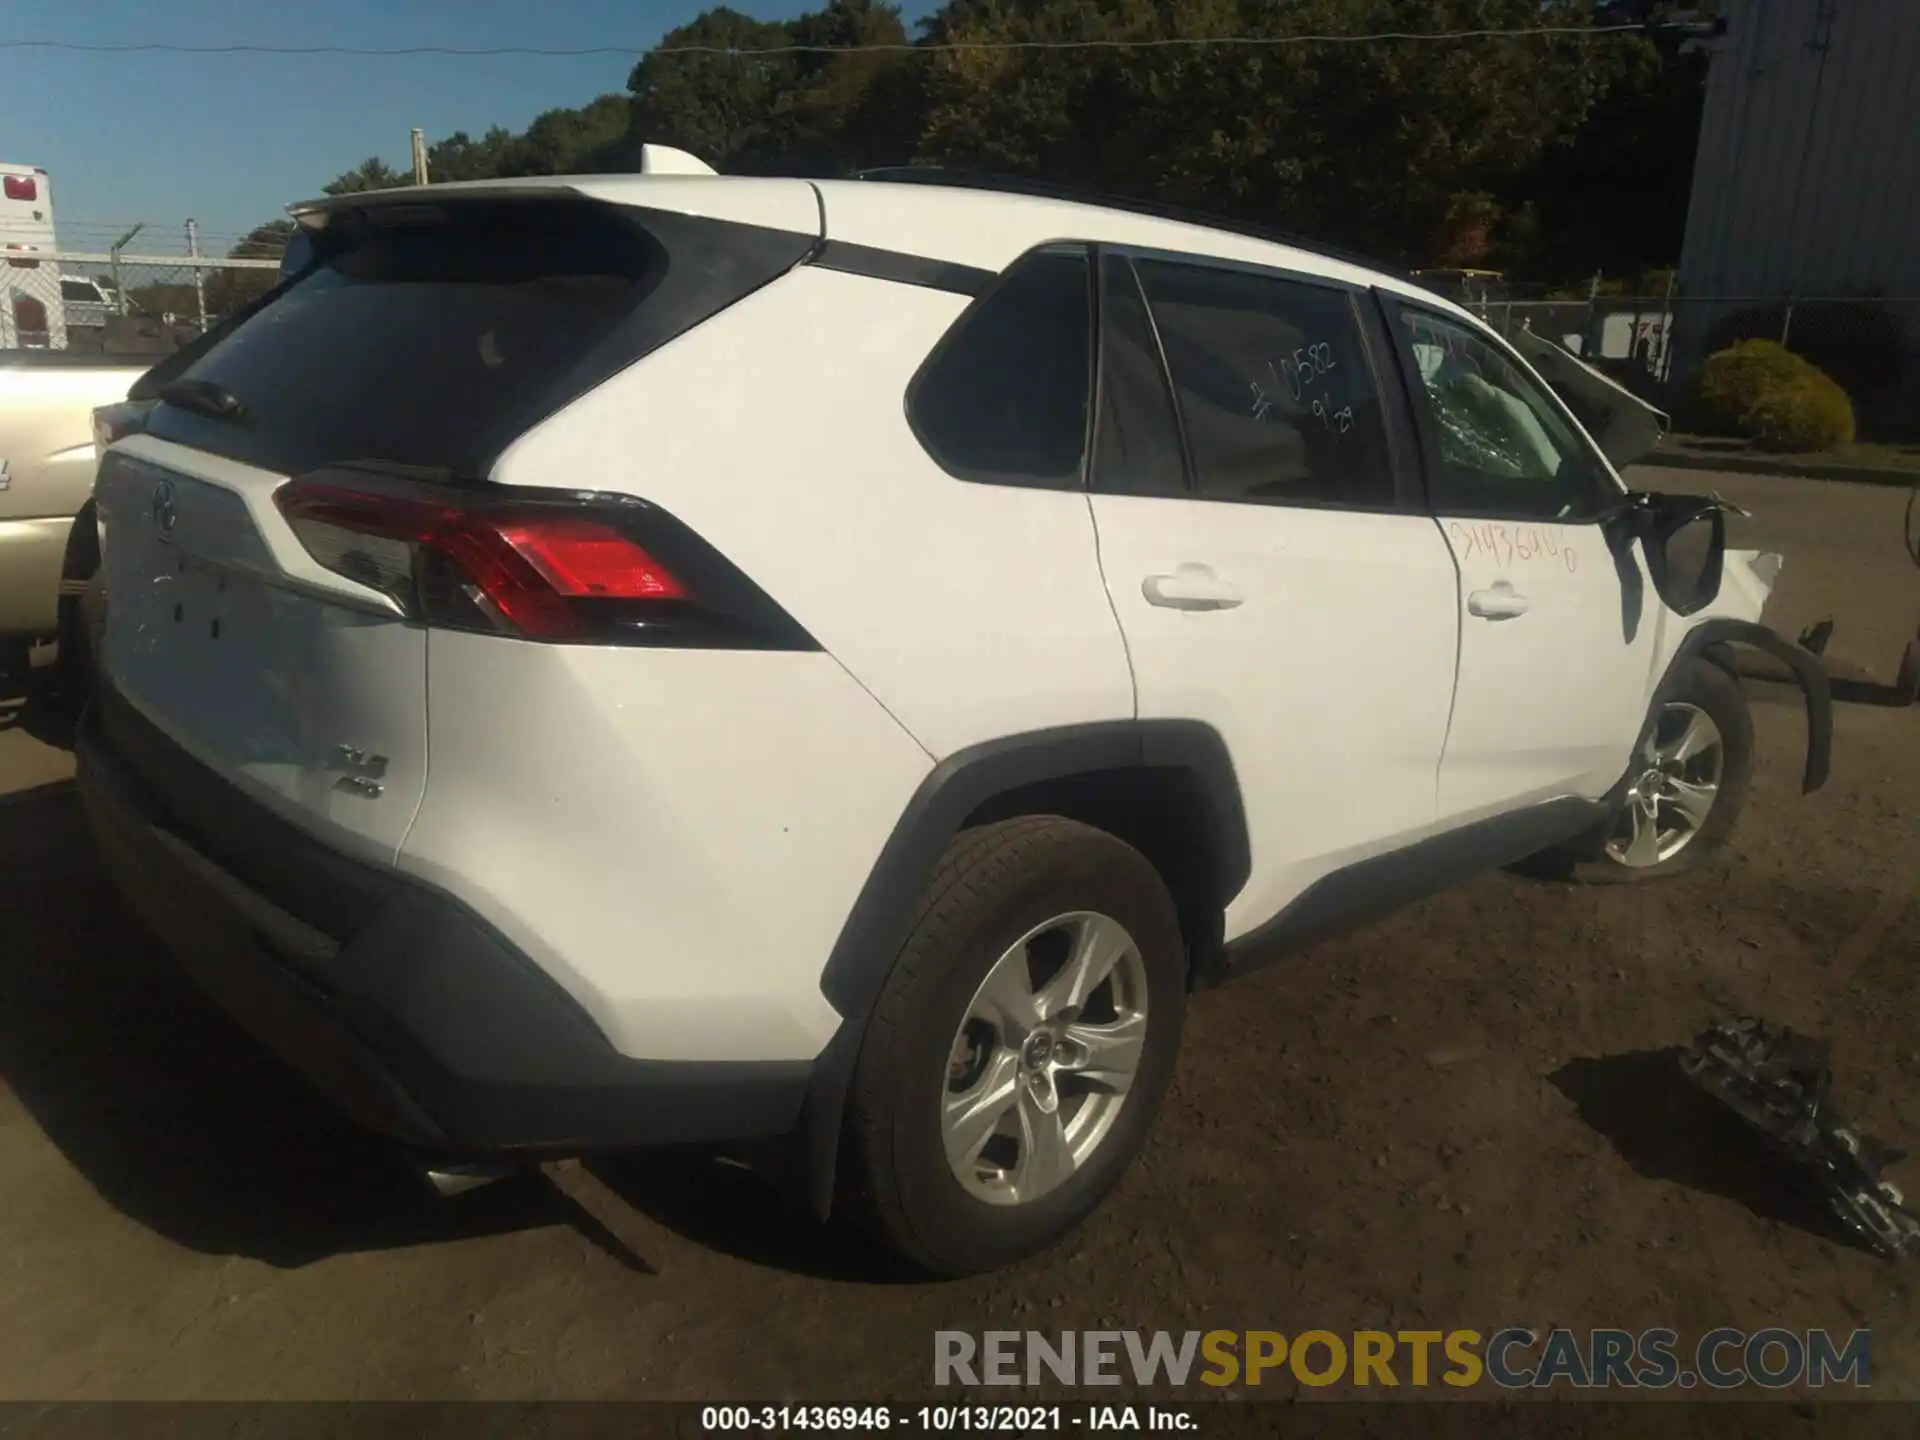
1044 189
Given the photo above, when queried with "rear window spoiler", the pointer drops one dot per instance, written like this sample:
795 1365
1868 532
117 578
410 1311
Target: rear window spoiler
654 160
317 214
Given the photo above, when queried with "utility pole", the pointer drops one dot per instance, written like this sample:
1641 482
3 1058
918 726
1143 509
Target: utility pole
199 275
419 156
119 289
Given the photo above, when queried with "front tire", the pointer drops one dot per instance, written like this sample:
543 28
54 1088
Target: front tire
1019 1049
1693 767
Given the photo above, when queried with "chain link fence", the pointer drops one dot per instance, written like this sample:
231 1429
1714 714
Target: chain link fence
109 302
1653 343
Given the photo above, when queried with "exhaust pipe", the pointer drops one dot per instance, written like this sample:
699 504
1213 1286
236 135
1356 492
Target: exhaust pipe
458 1179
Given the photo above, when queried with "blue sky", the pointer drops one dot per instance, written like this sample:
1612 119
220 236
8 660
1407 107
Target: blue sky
230 139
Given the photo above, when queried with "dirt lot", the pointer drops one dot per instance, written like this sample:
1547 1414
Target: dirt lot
1458 1118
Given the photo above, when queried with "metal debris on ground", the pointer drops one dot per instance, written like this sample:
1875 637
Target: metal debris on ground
1778 1082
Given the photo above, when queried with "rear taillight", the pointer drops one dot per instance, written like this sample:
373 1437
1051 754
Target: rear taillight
22 187
601 569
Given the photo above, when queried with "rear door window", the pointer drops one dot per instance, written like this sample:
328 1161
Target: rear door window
1275 387
1136 446
429 336
1003 398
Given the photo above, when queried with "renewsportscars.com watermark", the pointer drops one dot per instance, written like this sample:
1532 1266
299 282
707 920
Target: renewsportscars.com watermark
1513 1358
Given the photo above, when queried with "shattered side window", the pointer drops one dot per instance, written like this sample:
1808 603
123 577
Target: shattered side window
1503 447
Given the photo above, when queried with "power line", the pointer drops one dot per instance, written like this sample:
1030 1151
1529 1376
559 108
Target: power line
1189 42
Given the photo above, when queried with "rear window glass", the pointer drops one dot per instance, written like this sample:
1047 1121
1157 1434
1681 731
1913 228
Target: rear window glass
1003 398
429 336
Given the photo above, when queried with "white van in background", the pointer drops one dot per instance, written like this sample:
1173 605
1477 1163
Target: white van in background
32 313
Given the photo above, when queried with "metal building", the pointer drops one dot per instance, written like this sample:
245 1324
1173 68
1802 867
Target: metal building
1806 180
1807 176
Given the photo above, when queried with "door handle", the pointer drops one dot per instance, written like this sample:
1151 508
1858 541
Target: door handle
1502 602
1191 587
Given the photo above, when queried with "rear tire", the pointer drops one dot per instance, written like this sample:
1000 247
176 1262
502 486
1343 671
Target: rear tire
952 1160
1696 759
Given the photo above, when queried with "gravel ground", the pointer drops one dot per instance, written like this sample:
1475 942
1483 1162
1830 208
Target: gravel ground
1462 1117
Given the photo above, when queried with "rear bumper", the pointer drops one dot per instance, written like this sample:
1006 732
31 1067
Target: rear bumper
395 1001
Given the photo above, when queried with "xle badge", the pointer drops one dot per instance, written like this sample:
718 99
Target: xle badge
363 772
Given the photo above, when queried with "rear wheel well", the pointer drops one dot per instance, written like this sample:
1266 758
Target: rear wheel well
83 546
1160 811
82 563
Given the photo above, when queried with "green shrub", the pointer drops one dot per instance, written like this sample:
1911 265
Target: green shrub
1761 390
1860 343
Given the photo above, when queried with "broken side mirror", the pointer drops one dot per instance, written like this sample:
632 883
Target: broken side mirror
1684 538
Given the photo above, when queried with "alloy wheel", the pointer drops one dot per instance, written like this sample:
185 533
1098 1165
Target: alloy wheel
1669 800
1044 1059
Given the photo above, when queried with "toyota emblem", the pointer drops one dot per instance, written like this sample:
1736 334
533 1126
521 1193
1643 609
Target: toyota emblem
165 517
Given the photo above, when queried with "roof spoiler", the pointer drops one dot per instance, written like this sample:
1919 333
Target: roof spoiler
654 160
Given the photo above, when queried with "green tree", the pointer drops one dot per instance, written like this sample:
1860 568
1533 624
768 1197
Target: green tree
227 289
1373 144
590 139
852 110
461 157
723 108
1612 195
373 173
1532 150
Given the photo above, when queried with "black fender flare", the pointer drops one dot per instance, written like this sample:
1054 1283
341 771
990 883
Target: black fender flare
1804 667
78 565
81 557
878 924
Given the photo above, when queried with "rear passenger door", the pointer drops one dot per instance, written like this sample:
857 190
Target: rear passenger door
1557 629
1267 556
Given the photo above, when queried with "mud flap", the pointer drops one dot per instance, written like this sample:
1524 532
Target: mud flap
1805 668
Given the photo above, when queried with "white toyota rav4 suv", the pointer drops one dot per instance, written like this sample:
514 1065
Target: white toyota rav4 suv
609 661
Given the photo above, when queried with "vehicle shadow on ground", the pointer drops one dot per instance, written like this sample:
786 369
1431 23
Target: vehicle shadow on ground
172 1114
28 704
1666 1130
748 1214
180 1122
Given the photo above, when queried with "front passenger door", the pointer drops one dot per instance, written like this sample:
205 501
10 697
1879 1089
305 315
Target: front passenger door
1557 628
